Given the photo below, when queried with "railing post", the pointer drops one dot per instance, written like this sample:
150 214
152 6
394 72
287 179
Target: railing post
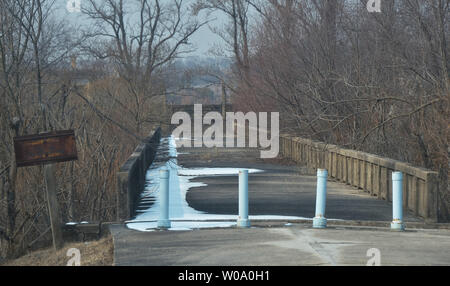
319 220
397 201
164 221
243 220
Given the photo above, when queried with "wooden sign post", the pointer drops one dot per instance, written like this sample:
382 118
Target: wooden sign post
53 207
46 149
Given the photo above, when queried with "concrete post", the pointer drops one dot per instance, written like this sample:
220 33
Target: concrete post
164 221
319 220
243 220
397 201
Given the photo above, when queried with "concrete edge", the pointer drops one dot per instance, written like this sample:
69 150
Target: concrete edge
330 222
109 225
356 223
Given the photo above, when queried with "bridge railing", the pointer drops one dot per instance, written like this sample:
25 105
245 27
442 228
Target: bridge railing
131 176
368 172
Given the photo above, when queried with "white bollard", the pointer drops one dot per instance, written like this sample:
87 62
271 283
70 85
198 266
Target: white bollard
164 221
319 220
243 220
397 202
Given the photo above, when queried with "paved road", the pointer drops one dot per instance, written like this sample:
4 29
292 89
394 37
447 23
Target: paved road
283 189
297 244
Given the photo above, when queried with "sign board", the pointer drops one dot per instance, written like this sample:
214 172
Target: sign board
45 148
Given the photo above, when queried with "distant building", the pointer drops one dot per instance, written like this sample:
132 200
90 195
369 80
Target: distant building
201 94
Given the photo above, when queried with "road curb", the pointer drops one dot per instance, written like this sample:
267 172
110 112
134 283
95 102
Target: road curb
330 222
356 223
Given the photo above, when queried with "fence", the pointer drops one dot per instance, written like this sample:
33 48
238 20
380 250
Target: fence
368 172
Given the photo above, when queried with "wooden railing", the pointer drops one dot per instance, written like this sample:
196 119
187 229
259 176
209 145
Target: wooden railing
368 172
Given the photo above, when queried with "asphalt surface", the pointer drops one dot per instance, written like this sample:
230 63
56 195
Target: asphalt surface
282 189
295 245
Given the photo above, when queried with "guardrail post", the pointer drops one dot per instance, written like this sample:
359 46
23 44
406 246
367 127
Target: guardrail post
319 220
397 201
164 221
243 220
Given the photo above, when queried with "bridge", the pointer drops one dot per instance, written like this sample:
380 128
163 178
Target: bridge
282 197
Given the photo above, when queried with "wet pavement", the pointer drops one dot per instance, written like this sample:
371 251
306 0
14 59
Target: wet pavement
204 207
282 189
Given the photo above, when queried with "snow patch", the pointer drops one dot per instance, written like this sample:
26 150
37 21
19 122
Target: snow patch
182 216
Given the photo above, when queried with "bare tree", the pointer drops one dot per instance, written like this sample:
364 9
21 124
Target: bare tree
140 37
31 44
376 82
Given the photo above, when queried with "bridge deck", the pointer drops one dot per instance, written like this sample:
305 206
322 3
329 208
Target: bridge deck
282 189
297 244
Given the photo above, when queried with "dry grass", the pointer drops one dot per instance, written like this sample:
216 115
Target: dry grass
93 253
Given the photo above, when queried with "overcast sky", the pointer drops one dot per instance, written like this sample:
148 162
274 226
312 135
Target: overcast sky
203 40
